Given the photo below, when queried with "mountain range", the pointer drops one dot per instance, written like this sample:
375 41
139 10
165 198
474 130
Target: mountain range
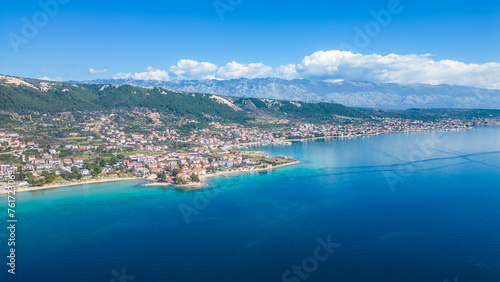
352 94
28 95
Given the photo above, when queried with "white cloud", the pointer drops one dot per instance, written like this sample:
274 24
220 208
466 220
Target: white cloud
189 69
152 73
50 79
96 71
336 66
334 80
393 68
287 72
234 70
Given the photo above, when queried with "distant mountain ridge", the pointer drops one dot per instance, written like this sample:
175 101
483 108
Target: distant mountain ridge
25 95
352 94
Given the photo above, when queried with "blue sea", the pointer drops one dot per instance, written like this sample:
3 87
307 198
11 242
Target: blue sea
399 207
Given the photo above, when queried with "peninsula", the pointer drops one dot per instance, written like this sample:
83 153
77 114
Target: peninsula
105 133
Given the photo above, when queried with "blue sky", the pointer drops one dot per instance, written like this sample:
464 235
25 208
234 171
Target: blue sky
125 38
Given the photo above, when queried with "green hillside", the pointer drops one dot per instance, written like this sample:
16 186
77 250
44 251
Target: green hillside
24 95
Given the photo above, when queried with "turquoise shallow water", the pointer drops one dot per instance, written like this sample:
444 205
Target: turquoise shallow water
401 207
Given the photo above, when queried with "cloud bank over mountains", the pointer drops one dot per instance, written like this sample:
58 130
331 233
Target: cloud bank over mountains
335 66
152 73
96 71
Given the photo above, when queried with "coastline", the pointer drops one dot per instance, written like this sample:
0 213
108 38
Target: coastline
247 171
376 134
199 185
224 173
53 186
259 144
202 184
160 184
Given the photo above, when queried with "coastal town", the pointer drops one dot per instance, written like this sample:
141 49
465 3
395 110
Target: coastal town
102 151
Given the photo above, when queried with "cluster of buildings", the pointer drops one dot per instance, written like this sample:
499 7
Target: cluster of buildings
11 140
381 126
204 150
180 165
37 165
217 136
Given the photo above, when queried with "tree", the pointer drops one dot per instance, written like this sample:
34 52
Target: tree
102 162
195 178
179 180
50 178
97 169
162 176
21 175
65 175
176 171
113 160
75 173
40 181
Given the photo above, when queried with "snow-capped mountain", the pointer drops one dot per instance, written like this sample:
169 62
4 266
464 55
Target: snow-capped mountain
353 94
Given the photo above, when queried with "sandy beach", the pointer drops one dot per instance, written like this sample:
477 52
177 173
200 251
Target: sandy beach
52 186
